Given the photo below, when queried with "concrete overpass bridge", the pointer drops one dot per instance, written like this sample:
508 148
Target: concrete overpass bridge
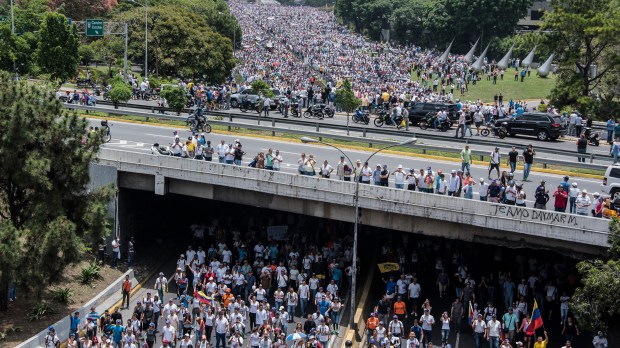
397 209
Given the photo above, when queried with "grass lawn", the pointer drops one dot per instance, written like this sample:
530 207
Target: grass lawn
533 87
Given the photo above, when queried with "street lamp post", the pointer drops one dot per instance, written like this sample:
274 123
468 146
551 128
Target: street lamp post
146 35
306 140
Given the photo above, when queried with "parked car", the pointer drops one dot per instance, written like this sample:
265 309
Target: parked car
541 125
611 182
418 111
235 99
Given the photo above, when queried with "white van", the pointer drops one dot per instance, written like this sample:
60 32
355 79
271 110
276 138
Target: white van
611 181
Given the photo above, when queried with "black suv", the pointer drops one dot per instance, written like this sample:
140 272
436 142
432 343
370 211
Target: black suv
418 111
541 125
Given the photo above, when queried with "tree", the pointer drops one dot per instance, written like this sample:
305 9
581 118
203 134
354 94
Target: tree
57 53
49 218
597 299
83 9
262 88
187 51
175 97
346 98
587 45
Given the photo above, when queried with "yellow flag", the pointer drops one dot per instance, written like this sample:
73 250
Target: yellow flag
388 267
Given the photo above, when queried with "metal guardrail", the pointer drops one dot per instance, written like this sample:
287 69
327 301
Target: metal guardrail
317 134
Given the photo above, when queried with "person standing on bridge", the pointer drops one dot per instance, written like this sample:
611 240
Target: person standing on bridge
541 196
561 198
466 159
494 162
528 159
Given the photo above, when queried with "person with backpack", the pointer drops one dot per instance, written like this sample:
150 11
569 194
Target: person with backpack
51 339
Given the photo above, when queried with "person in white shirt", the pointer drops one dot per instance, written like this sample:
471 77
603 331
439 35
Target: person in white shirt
480 328
322 332
366 174
454 182
427 321
573 193
304 296
442 184
396 328
222 149
483 190
222 327
414 292
492 333
326 170
583 203
399 177
494 162
412 341
511 193
600 341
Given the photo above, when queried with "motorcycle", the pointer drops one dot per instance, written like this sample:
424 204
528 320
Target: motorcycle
105 130
386 118
246 105
360 117
592 137
106 93
499 131
203 126
157 149
294 108
315 111
429 122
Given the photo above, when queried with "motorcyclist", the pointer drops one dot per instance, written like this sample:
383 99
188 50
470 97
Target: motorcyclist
396 114
197 117
441 117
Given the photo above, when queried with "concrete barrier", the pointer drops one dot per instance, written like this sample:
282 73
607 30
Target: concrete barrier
62 326
362 311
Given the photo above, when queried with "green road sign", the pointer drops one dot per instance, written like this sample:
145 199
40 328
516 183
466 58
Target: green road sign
4 18
94 27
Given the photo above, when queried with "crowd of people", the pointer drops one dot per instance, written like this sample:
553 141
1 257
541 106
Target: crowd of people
493 301
297 51
500 186
267 288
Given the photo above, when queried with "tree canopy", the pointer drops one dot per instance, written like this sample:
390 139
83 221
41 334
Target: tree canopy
57 53
596 300
185 51
428 22
587 42
83 9
48 217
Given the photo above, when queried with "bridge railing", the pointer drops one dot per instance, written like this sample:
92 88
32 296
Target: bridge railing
512 219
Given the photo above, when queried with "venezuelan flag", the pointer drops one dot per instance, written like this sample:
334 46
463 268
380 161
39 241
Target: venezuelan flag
536 320
202 297
471 319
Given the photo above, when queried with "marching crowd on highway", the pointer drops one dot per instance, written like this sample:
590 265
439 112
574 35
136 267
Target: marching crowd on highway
267 288
500 186
293 50
505 304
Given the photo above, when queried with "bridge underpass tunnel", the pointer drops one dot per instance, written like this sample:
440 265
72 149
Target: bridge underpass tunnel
502 280
292 247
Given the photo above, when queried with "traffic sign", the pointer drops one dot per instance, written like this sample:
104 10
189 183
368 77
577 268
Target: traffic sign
4 18
94 27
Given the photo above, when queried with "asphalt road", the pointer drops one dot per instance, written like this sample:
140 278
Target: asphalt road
438 138
140 138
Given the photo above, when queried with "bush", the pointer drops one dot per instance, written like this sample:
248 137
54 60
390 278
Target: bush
542 107
262 88
175 97
90 273
63 295
120 92
39 311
